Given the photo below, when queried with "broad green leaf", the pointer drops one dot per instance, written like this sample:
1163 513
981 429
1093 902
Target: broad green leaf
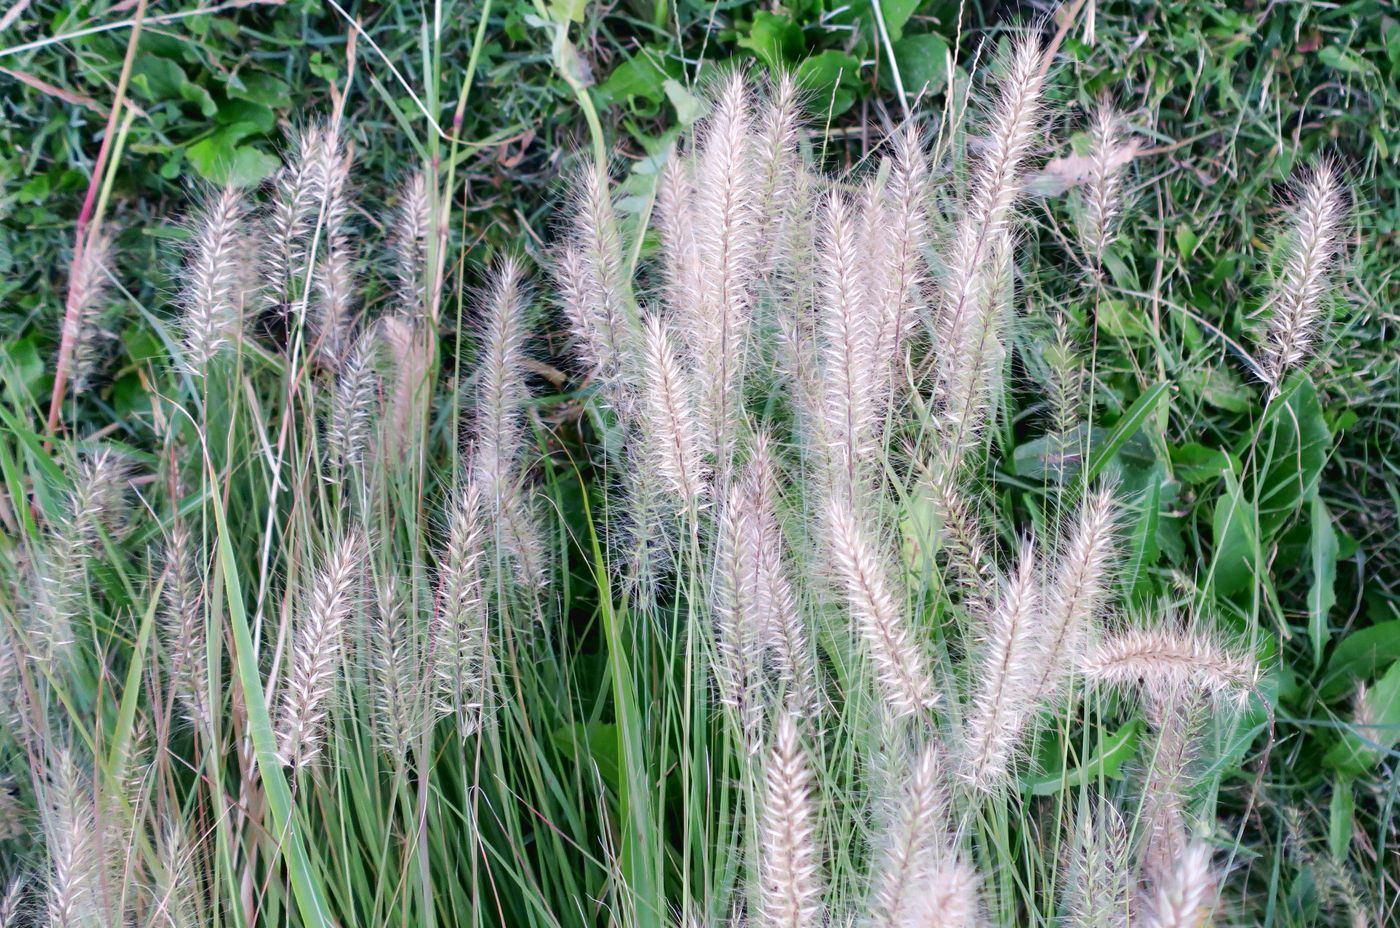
1195 463
688 106
1364 744
1340 817
1321 595
1358 657
1124 429
832 78
773 38
923 64
1111 753
640 76
896 13
1293 444
1236 547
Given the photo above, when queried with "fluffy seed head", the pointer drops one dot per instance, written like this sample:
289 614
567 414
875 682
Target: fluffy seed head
215 283
789 868
311 676
1311 244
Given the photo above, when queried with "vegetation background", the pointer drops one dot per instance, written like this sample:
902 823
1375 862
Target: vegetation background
134 108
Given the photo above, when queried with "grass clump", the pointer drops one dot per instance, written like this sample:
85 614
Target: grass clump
821 578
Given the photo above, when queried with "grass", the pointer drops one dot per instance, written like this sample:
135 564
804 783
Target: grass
604 785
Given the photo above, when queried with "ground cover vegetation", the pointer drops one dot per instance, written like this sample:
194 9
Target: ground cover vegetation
521 463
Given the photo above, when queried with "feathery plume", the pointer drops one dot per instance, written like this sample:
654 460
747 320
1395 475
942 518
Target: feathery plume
182 625
1079 588
675 221
500 390
353 403
1310 247
70 835
395 660
1167 660
947 899
311 677
964 543
913 847
789 868
88 293
461 649
775 153
1101 201
594 288
668 415
11 904
780 623
976 265
850 330
900 665
408 395
215 281
725 235
908 239
96 502
409 241
1011 661
1187 899
498 440
297 189
738 634
175 887
1098 886
1174 719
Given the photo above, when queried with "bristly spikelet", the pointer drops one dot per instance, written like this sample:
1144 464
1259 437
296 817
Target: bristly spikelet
351 421
1187 899
460 646
1077 591
1099 887
738 633
1175 720
12 913
593 287
498 438
182 627
175 887
1012 660
775 153
900 665
849 330
215 284
1101 200
408 394
914 844
1166 660
96 503
675 222
331 316
395 672
1310 245
908 233
667 413
975 264
409 242
313 664
726 239
87 299
790 887
780 621
70 835
965 547
297 189
946 899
